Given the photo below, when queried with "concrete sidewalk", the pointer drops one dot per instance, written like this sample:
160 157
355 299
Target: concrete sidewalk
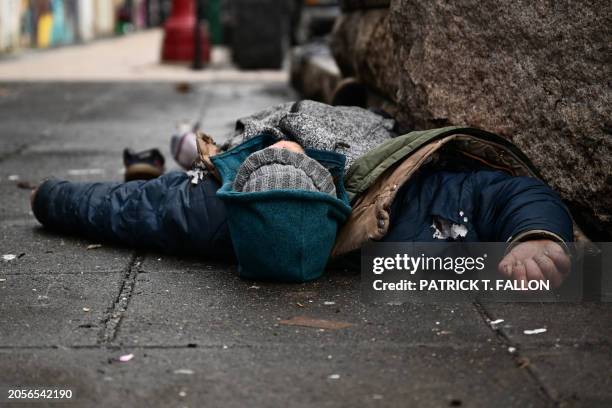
134 57
200 336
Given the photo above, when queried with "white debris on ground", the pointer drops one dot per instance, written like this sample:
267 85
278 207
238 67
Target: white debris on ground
534 331
511 350
184 371
329 303
13 177
126 357
494 323
333 376
8 257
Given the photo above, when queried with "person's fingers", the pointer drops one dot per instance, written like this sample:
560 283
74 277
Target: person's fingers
559 257
549 270
505 266
519 272
533 271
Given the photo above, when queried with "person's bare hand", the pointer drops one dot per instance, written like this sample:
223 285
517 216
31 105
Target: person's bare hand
536 260
289 145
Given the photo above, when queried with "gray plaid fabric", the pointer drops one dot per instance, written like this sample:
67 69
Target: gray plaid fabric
277 169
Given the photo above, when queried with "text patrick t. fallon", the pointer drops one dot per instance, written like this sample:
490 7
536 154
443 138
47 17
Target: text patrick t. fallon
442 285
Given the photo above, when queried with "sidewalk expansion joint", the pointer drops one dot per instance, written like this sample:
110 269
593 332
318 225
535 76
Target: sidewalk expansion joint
115 312
505 340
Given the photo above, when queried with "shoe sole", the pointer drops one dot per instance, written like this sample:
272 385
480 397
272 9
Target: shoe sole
142 171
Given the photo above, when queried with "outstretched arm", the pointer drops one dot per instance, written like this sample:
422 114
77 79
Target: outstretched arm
168 213
528 213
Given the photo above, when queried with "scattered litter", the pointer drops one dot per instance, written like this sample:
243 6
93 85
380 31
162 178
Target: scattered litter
184 371
523 362
86 309
298 304
333 376
329 303
13 177
437 323
126 357
9 257
494 323
329 357
461 213
94 246
2 279
182 394
511 350
85 172
253 287
465 219
535 331
443 333
225 347
26 185
315 323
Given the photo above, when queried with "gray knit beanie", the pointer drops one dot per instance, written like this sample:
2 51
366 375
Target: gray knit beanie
278 169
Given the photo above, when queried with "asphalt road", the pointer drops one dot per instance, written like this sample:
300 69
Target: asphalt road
199 335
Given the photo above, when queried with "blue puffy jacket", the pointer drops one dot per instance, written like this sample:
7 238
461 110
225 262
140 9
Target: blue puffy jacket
171 214
492 205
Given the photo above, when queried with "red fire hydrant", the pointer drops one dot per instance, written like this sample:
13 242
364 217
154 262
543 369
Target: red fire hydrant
179 38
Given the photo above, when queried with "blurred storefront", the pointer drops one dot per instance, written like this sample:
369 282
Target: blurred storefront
51 23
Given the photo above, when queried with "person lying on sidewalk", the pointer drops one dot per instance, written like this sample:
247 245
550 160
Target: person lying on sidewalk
448 184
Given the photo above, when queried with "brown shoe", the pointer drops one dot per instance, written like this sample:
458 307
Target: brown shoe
144 165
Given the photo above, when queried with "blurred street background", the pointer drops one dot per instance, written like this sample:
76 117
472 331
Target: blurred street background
80 80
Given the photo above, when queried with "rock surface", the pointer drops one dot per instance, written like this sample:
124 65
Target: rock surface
313 71
538 75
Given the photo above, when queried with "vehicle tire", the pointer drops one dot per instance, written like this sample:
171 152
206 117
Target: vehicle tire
260 35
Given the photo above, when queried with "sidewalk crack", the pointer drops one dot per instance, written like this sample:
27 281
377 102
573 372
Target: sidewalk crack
505 340
115 312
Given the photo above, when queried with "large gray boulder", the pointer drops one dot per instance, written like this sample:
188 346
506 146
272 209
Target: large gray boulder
537 73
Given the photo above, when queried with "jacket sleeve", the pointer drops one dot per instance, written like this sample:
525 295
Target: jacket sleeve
515 208
168 213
